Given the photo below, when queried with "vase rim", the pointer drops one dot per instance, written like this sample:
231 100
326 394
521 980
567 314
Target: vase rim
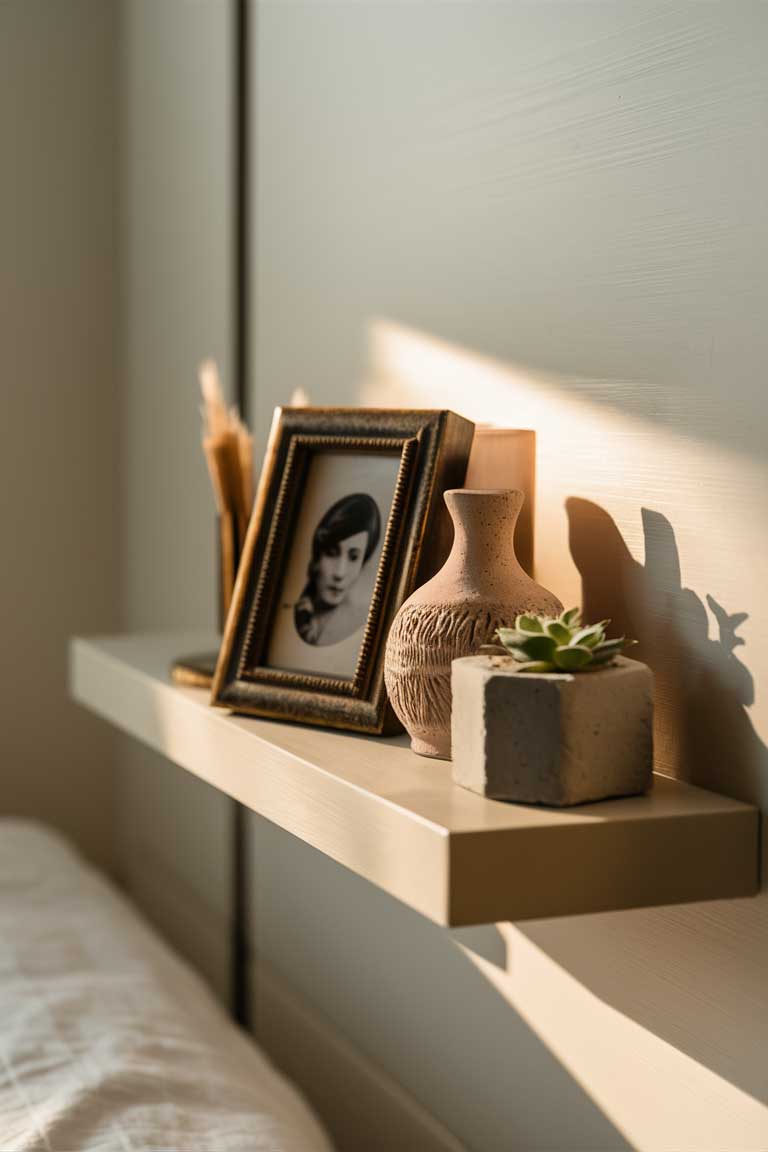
483 492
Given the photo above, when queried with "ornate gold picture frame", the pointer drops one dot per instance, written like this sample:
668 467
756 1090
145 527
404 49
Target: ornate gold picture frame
348 520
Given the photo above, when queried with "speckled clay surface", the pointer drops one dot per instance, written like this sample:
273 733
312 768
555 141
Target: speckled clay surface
480 587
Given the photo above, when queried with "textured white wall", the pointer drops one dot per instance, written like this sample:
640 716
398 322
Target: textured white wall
58 434
546 215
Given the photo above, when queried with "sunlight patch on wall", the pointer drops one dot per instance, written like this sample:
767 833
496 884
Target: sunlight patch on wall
641 523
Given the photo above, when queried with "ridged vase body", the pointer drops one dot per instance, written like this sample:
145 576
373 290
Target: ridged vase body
480 588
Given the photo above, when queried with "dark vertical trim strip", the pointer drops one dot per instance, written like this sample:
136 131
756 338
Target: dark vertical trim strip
241 202
239 951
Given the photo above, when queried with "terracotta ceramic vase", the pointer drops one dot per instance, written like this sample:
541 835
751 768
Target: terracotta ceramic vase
480 587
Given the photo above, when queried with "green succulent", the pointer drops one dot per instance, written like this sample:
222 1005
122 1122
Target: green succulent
560 644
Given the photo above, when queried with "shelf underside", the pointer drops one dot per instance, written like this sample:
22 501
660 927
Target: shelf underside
400 821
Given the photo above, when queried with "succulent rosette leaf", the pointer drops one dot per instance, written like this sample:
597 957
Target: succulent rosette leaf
560 644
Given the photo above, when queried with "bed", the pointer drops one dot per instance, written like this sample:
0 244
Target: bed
108 1040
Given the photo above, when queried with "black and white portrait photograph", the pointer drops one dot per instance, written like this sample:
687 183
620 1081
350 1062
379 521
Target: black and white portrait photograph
342 544
332 564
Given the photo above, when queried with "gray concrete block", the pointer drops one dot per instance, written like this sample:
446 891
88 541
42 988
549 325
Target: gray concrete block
557 738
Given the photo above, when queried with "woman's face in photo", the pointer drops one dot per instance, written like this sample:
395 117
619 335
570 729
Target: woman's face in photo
339 567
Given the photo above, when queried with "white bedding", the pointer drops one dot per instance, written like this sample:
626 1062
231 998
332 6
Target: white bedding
107 1040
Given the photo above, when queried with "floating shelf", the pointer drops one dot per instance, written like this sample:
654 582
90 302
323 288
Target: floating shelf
400 821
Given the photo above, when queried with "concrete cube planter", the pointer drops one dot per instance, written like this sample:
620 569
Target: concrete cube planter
554 738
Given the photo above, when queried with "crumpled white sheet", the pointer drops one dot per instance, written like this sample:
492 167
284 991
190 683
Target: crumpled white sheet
108 1041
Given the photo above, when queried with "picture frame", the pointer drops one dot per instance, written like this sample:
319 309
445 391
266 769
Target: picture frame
349 519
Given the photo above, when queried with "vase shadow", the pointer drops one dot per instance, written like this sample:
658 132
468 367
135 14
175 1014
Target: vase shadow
702 732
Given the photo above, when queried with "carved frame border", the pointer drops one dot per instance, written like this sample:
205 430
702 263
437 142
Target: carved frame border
433 447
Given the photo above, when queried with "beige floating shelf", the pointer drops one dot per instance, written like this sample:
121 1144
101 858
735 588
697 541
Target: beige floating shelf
400 821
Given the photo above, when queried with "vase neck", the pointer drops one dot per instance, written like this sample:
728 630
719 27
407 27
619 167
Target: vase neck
484 527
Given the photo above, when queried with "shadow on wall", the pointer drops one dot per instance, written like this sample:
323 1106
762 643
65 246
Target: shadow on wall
606 968
702 732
